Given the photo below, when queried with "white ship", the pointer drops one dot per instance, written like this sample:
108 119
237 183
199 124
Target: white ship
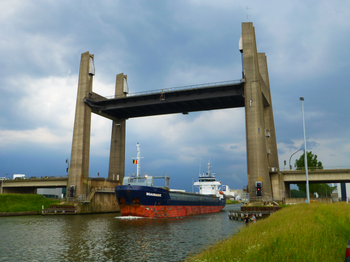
208 185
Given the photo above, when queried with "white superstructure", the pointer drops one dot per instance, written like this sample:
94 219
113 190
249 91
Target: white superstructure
208 185
233 194
19 176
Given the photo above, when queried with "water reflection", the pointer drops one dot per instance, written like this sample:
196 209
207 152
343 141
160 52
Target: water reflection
106 237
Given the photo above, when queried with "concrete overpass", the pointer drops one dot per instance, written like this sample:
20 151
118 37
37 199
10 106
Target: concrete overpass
100 199
30 186
315 176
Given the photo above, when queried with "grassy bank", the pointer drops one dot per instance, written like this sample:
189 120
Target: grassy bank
228 202
23 202
304 232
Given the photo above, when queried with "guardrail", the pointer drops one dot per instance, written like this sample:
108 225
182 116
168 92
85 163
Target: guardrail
168 90
105 189
313 168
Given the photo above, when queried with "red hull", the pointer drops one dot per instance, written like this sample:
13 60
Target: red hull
166 211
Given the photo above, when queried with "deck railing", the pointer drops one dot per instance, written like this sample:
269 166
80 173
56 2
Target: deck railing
169 90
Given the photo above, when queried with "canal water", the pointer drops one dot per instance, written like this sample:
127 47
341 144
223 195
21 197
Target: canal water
110 237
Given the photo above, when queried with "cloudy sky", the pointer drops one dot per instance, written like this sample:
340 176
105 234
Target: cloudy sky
162 44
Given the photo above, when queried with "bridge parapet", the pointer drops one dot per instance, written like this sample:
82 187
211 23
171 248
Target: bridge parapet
97 98
37 182
317 176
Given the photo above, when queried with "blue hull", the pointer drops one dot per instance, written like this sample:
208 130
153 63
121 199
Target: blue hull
146 201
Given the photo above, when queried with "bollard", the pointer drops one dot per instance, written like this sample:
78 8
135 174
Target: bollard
347 252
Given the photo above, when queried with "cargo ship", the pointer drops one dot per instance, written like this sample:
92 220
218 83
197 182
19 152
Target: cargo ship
140 198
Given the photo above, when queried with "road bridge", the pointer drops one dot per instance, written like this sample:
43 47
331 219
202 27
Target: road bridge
315 176
251 92
220 95
101 198
30 186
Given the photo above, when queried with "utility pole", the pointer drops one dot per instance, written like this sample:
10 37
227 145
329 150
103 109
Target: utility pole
306 168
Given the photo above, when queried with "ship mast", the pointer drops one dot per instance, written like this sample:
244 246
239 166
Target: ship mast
209 174
138 159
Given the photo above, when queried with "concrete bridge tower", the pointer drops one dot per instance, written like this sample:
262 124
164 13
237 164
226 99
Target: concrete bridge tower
262 156
117 151
80 154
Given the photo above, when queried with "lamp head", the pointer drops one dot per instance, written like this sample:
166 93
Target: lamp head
301 98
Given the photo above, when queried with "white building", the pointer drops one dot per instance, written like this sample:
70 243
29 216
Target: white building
236 194
51 192
342 191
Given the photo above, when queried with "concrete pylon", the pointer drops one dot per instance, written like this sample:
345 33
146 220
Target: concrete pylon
117 151
80 154
262 157
268 114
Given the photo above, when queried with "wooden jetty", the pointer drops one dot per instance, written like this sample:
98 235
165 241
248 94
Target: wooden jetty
59 209
239 215
259 212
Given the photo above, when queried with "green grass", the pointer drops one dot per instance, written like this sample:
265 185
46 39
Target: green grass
24 202
228 201
304 232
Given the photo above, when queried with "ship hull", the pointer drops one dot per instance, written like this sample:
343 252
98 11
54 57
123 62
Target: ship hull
154 202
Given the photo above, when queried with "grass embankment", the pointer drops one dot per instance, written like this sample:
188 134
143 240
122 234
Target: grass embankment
228 201
24 202
304 232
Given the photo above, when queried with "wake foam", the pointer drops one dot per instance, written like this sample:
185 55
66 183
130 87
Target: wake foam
129 217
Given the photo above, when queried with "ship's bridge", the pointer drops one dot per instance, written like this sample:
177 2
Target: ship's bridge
206 179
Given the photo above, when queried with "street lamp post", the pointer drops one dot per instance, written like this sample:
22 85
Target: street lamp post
290 165
305 154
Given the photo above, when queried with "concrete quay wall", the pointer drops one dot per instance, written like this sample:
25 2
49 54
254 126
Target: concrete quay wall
103 200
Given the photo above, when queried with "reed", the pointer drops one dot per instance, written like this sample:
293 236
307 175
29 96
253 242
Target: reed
304 232
24 202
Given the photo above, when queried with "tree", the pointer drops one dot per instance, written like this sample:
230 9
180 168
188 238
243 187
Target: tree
297 194
323 190
312 162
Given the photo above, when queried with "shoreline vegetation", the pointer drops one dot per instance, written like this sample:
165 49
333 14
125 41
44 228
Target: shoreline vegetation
303 232
23 204
229 202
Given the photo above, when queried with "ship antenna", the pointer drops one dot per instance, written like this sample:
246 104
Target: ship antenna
200 164
138 158
247 8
